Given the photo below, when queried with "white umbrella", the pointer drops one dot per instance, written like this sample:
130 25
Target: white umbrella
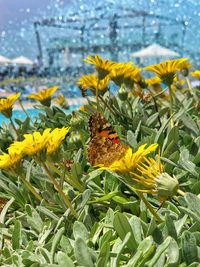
4 60
22 61
155 50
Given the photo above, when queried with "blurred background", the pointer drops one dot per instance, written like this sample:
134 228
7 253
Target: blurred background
43 41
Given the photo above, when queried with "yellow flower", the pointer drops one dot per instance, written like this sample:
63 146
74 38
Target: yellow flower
44 96
143 173
152 179
125 74
55 138
61 101
196 74
166 70
130 159
35 144
82 108
178 84
184 68
153 81
6 104
11 161
103 66
8 161
91 82
185 65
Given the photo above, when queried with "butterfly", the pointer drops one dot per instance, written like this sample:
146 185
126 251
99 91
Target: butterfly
104 146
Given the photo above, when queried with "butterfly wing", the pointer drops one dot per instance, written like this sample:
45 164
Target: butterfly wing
104 146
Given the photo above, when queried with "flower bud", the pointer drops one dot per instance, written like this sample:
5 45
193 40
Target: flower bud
75 139
122 94
143 84
76 121
185 72
166 186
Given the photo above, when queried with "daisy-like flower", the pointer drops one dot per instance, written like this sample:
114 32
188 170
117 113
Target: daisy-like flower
178 84
44 96
156 89
184 67
145 173
6 104
61 101
196 74
103 66
130 159
12 161
125 74
92 82
152 179
166 70
153 81
55 139
35 145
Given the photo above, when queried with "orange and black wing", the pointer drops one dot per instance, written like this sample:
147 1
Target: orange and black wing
104 146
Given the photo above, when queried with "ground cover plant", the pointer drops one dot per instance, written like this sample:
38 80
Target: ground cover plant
115 183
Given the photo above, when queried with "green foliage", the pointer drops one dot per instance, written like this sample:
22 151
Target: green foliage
114 227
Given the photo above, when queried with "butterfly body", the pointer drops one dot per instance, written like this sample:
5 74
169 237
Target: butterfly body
104 146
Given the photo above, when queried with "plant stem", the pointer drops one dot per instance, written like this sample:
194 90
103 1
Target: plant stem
106 105
67 178
97 93
156 108
13 125
30 188
60 191
189 85
180 192
171 106
150 208
22 106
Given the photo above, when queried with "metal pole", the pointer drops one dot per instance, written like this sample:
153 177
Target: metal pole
113 38
40 56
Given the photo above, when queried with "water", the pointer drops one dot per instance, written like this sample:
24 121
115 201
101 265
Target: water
33 113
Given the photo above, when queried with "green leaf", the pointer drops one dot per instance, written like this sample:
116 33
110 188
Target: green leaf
189 247
186 163
122 227
65 244
5 209
136 228
190 213
120 249
173 135
143 253
34 219
56 241
170 227
193 203
160 250
64 260
82 253
179 224
16 235
152 120
131 139
103 255
104 198
48 213
79 230
173 254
